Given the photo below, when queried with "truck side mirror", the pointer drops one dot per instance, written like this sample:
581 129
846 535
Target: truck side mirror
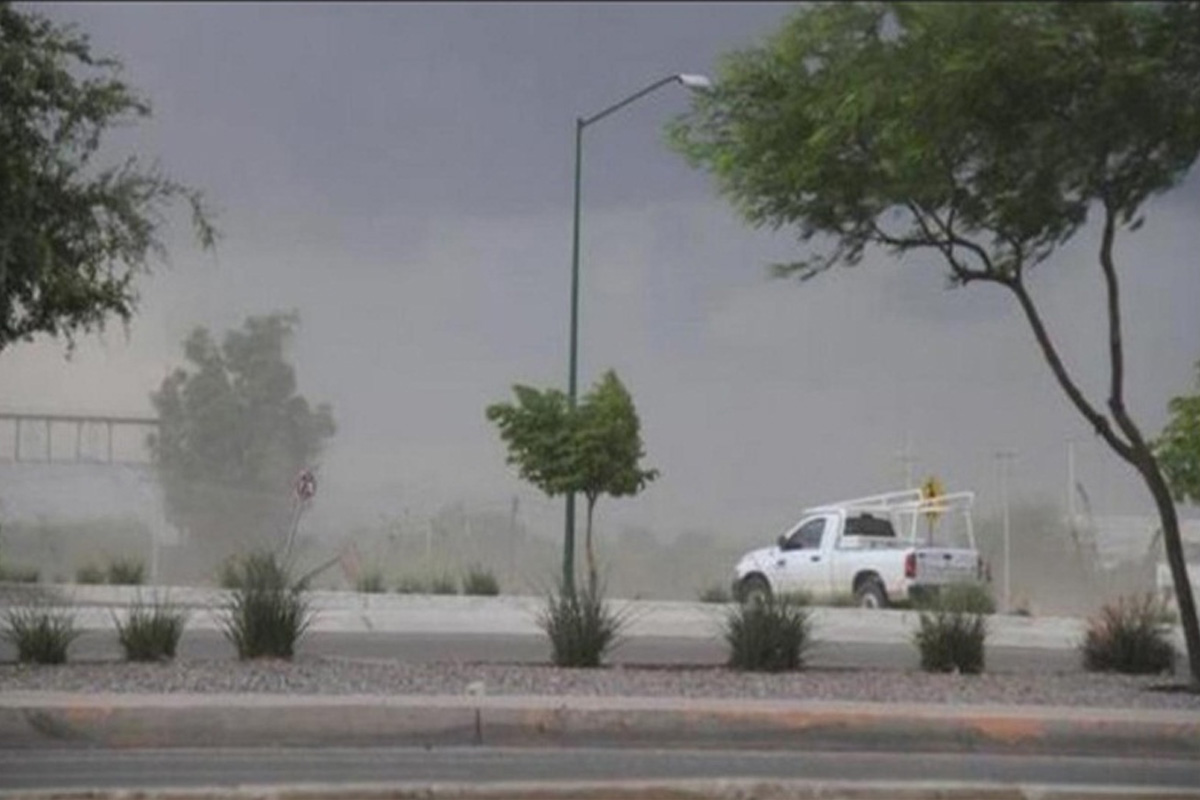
781 541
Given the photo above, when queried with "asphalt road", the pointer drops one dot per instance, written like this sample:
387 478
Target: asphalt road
533 649
144 769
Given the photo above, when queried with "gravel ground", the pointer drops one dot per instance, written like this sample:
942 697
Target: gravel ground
323 675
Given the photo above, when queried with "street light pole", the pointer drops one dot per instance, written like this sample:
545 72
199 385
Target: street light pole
691 82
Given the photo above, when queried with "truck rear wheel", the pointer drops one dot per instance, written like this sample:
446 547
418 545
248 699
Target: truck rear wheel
871 594
755 589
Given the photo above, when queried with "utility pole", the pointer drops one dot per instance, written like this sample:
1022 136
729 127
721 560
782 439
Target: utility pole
1003 458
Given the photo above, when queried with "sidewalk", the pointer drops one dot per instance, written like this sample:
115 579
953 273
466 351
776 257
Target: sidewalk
41 719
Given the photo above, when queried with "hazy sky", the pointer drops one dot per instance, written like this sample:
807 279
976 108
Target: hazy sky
401 175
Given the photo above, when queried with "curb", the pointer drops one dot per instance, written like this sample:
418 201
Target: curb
33 720
729 789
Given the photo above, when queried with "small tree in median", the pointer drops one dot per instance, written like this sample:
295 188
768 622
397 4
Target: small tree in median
593 449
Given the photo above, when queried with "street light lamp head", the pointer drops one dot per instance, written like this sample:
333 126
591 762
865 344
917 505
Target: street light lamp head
694 81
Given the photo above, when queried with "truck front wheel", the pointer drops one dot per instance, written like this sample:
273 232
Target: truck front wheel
755 589
871 594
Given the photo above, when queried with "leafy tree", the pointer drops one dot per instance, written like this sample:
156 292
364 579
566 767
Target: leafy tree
608 450
593 449
1178 448
234 433
983 133
73 233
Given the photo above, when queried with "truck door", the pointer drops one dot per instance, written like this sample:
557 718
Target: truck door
803 564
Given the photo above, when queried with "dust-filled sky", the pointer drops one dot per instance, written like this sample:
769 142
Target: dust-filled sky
401 175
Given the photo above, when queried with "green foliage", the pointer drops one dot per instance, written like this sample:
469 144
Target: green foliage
370 582
594 449
581 626
73 232
443 584
717 593
90 574
968 598
41 636
479 581
126 572
1130 636
770 635
539 433
234 432
19 574
881 124
951 640
1178 447
267 612
151 632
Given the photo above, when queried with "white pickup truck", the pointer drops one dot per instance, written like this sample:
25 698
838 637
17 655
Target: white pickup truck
878 549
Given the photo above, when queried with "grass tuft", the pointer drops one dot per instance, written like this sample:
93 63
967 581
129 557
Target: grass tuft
771 635
581 626
151 632
267 612
1130 636
41 636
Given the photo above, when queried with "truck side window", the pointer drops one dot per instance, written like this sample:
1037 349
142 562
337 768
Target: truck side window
808 537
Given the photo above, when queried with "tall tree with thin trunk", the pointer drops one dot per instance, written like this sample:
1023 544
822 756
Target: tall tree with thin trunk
985 133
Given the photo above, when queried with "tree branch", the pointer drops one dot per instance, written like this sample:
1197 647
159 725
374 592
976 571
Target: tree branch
1116 393
1098 420
952 240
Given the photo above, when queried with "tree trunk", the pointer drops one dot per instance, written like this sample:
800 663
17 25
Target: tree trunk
1173 544
591 554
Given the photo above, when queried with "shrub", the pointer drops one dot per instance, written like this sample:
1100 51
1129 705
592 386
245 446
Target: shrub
443 584
267 613
41 636
370 582
716 594
89 574
410 586
19 574
582 627
151 633
951 640
480 582
126 572
968 598
1129 636
229 574
770 635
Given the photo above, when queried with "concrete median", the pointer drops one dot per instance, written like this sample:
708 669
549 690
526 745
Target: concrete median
39 719
517 615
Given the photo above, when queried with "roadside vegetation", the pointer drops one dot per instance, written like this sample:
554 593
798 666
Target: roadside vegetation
951 634
370 582
151 632
481 582
267 612
582 627
41 636
1132 635
769 635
